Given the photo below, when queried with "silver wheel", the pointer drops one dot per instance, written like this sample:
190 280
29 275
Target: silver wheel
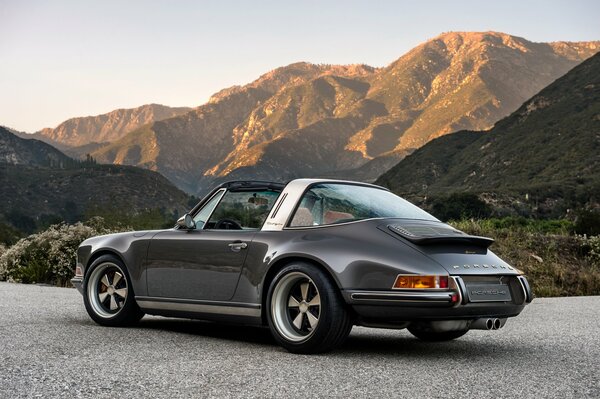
296 307
107 290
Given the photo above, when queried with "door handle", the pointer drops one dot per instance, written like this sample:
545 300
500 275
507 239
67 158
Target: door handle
237 246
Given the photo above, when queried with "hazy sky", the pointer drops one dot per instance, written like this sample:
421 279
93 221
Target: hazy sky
61 59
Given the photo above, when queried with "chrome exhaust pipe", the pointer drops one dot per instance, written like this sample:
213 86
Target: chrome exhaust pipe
482 324
487 324
497 324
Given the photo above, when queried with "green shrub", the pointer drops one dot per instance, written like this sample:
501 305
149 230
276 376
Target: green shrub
553 226
459 206
591 248
49 256
148 219
588 222
8 234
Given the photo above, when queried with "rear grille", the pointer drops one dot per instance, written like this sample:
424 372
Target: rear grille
425 231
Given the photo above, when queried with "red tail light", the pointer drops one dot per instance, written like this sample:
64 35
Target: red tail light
443 281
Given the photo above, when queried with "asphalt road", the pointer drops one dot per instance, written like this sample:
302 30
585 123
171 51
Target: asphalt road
49 347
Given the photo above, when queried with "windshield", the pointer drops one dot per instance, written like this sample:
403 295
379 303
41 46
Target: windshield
332 203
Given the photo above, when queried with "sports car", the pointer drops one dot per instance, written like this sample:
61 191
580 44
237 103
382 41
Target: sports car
309 259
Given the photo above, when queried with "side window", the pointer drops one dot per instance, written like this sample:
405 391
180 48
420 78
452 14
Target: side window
322 206
242 210
309 212
207 209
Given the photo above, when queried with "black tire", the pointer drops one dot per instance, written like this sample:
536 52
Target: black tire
436 336
334 320
127 311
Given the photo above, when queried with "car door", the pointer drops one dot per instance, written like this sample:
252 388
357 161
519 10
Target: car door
205 263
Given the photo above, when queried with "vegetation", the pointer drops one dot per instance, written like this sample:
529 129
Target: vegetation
555 261
49 256
459 206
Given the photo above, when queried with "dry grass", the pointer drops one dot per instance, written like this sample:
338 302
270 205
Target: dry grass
555 262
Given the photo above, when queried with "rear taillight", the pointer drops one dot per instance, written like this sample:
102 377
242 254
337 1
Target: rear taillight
415 281
443 282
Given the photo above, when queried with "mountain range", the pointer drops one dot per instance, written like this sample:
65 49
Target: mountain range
546 153
351 121
79 136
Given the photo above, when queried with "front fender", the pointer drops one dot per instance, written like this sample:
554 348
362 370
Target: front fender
130 247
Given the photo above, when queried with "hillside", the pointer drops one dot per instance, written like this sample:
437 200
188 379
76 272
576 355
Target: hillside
547 150
39 184
308 120
104 128
184 147
17 151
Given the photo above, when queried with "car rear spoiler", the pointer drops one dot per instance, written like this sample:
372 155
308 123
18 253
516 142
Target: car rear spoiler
438 235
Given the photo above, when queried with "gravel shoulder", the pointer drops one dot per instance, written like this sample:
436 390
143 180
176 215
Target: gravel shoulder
49 347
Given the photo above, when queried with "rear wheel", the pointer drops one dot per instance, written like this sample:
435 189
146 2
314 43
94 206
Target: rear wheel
436 336
305 311
108 295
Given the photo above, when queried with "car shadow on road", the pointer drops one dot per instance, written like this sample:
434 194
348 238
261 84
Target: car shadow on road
471 346
231 332
402 345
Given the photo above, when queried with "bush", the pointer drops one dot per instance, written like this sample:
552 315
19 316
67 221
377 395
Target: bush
459 206
8 234
591 247
588 222
518 223
49 256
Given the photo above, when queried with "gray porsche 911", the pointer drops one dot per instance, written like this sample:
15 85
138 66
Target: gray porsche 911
309 259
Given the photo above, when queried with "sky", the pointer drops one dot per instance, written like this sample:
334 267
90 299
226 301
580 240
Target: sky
61 59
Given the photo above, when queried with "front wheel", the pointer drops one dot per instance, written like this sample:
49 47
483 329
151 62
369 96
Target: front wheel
108 295
305 311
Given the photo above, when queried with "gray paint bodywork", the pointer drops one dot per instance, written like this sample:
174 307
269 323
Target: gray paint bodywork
194 273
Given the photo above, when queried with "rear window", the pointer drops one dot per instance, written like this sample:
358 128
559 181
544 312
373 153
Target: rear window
331 203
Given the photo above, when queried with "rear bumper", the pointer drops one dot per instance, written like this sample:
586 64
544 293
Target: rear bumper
78 283
398 306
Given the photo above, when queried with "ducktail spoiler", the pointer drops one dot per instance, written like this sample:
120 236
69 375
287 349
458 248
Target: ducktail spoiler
427 234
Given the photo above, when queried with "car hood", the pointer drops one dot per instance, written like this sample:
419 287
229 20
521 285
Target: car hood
454 250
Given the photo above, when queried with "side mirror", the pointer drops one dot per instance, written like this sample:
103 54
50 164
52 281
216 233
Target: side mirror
186 222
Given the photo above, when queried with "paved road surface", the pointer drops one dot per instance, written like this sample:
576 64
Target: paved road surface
49 347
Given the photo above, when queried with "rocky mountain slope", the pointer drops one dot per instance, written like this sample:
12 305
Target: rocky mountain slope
184 147
104 128
350 121
455 81
38 183
547 150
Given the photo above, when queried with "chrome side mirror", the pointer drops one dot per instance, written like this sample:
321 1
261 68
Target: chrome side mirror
186 222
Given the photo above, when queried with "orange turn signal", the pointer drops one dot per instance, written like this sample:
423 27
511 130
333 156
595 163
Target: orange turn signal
420 282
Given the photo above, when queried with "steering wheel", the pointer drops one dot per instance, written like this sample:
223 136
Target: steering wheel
227 224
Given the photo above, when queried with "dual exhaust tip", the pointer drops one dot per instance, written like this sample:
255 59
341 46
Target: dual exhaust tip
487 324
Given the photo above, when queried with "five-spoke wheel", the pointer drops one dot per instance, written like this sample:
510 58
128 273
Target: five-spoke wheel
108 294
296 306
107 289
305 311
